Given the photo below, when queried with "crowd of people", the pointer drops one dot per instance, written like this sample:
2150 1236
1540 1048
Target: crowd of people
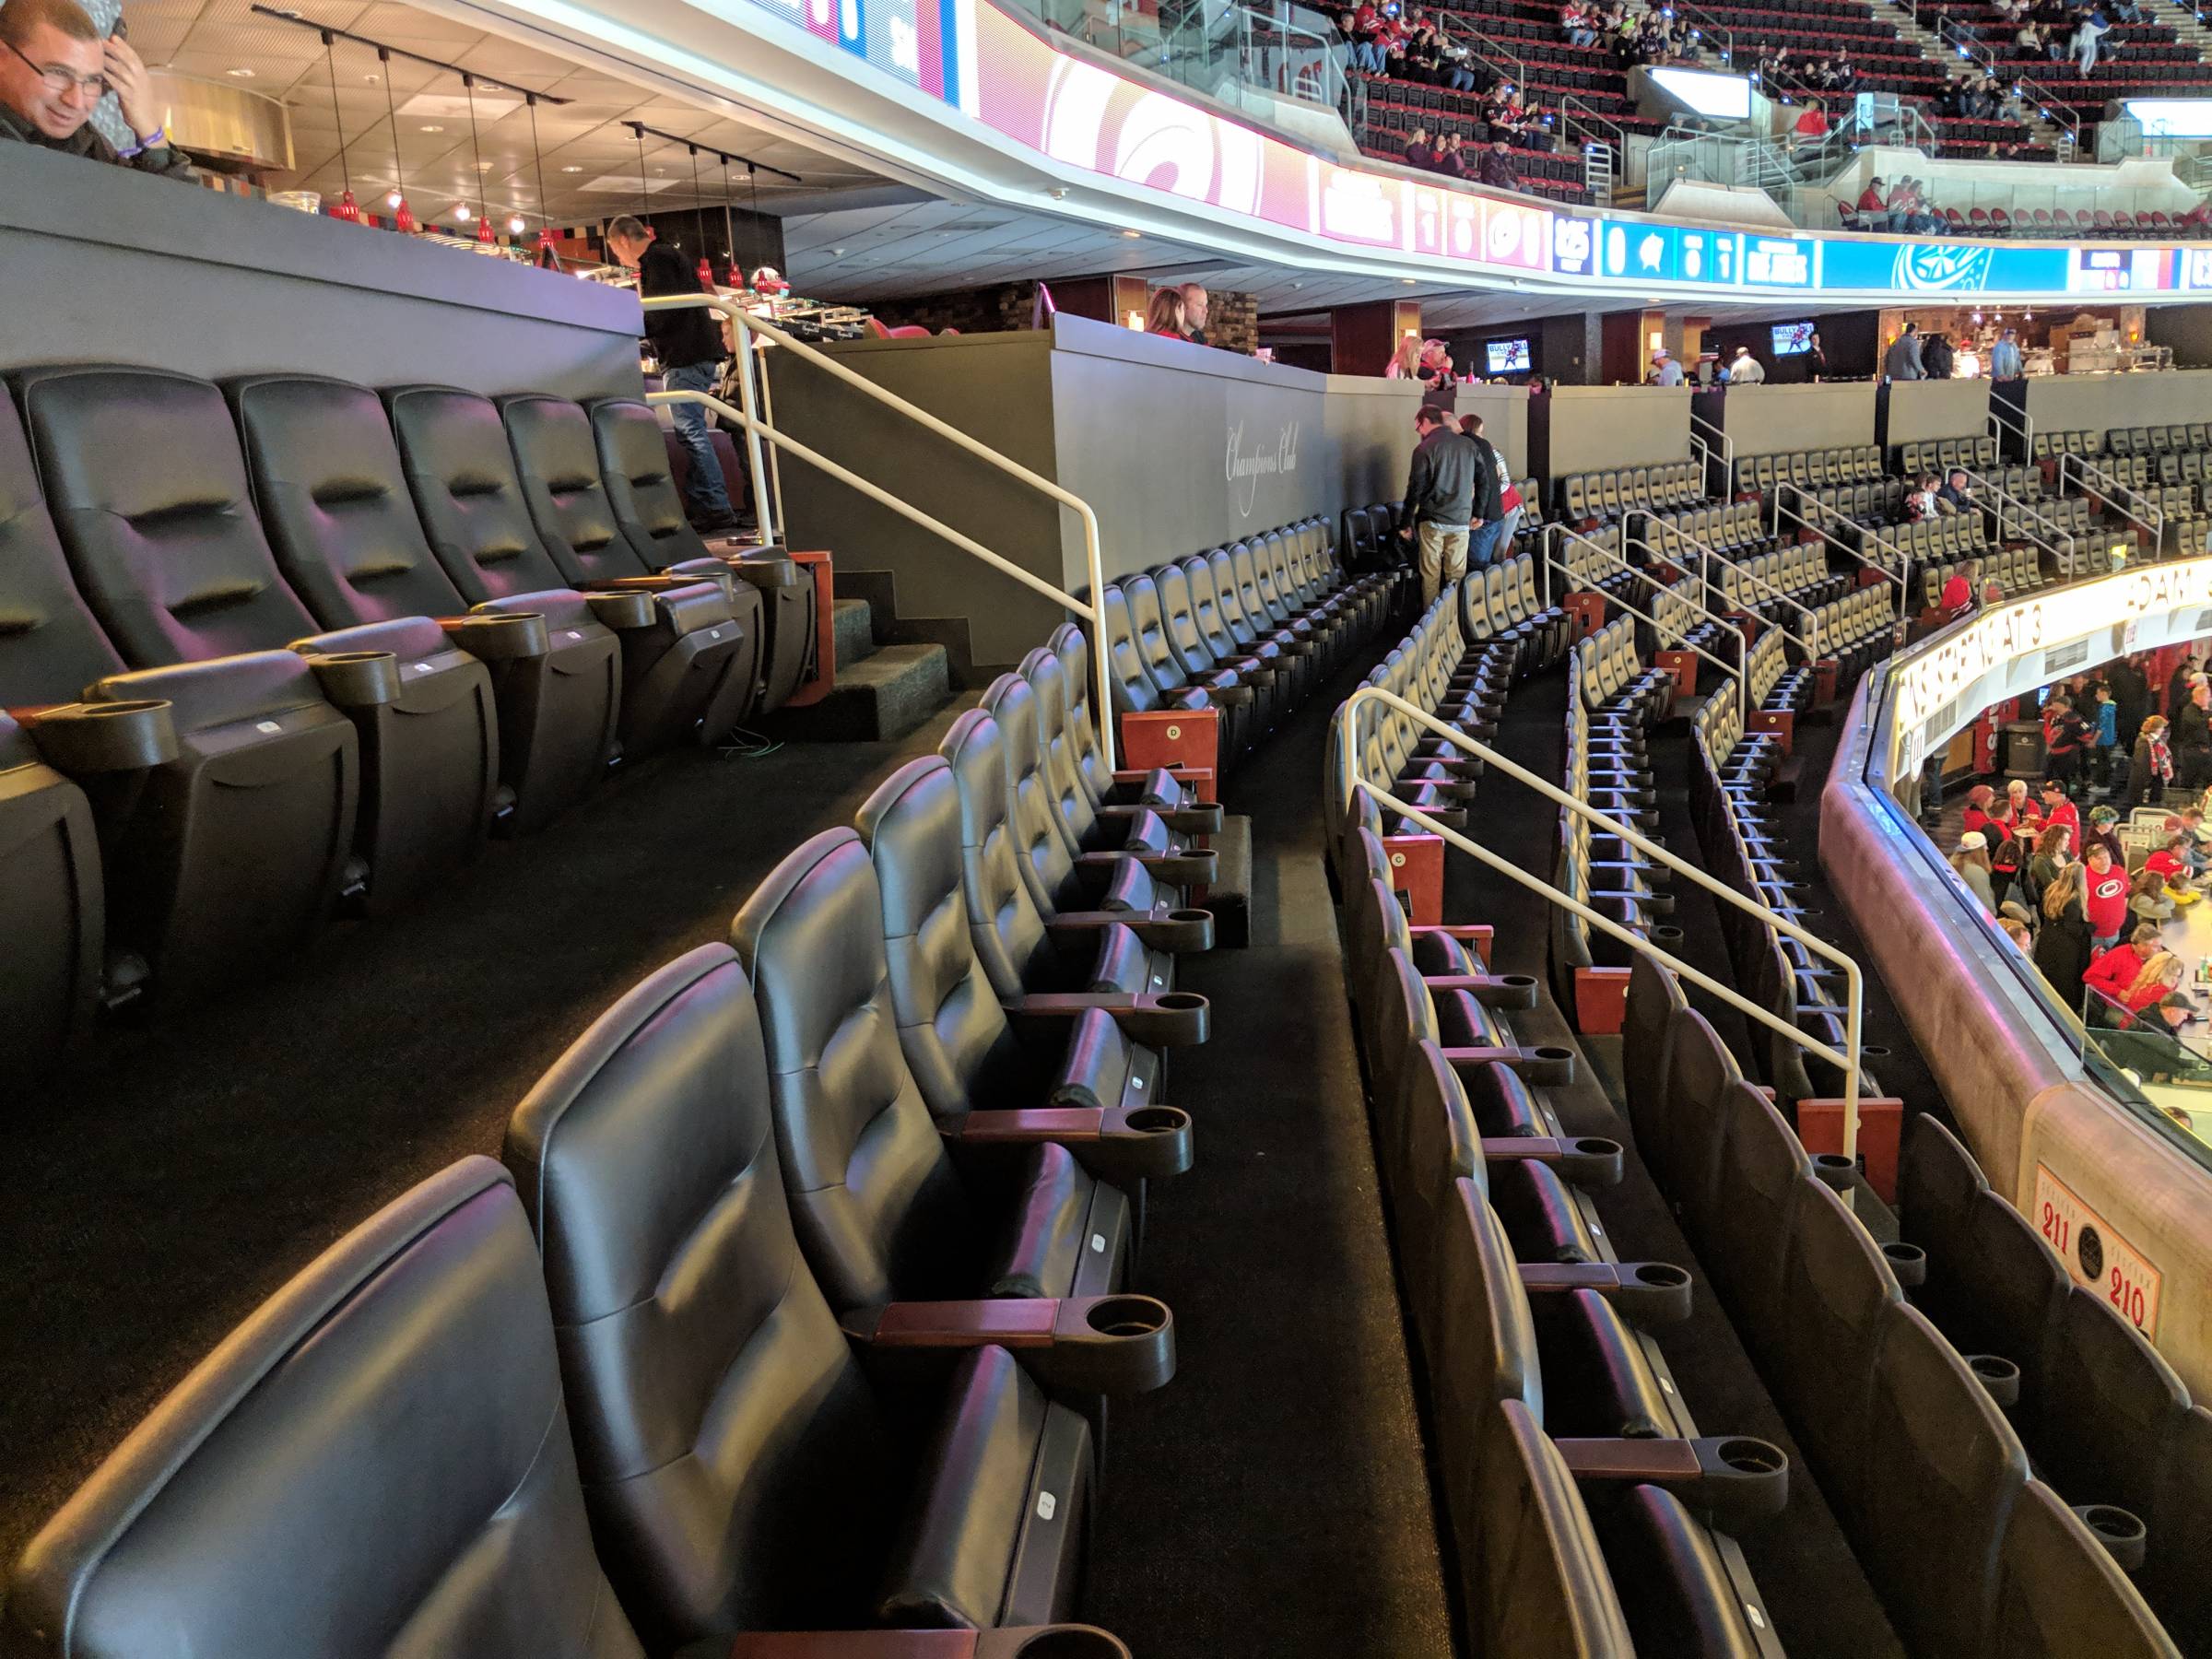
1781 69
2057 30
1407 44
1476 160
1654 35
2048 861
1462 507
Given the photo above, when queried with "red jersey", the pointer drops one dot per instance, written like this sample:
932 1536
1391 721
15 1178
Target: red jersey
2169 865
2068 814
2115 970
2104 900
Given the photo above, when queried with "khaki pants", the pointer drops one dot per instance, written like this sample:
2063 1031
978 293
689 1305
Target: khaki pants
1443 558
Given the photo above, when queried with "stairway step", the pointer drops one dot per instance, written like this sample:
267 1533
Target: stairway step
853 626
887 694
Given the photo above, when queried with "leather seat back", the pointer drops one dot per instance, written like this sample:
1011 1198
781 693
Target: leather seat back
460 472
958 1043
1205 608
1134 689
734 1456
51 648
1244 628
880 1212
1194 657
376 1462
1072 646
557 463
333 498
641 487
1148 627
1047 690
1041 840
1003 918
149 489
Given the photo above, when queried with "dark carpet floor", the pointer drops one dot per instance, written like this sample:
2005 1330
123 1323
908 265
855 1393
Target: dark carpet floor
1273 1502
1819 1600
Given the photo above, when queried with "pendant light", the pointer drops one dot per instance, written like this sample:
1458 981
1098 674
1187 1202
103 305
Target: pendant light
729 228
644 191
403 216
537 162
475 150
347 208
706 265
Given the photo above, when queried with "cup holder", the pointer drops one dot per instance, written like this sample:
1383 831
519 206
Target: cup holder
1872 1051
1999 1376
1159 1120
1667 933
1909 1263
1127 1317
128 735
1547 1051
1072 1642
354 679
1747 1457
1190 915
1180 1001
1834 1170
1518 980
2122 1533
1663 1274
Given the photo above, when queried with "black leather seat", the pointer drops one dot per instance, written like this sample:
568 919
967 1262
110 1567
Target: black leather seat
1139 653
378 1462
675 642
1079 805
743 1470
1126 787
1026 941
52 904
884 1212
462 478
633 461
707 670
952 1027
225 817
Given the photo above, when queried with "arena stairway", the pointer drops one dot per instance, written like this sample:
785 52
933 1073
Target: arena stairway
882 691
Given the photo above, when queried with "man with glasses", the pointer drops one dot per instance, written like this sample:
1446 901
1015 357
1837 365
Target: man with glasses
55 66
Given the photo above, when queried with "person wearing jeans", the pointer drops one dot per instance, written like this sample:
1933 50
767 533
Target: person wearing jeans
688 343
1490 535
1444 490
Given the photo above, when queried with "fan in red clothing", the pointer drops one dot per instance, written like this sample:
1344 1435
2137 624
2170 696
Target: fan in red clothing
1979 800
2113 974
2154 982
2104 897
2172 868
2057 809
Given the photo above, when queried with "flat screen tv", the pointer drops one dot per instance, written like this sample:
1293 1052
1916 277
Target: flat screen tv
1507 357
1792 339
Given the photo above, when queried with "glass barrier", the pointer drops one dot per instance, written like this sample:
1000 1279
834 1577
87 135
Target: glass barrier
1243 56
2157 1060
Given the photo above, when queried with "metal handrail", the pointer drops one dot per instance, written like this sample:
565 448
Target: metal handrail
1727 450
1846 1058
2045 99
1809 644
1711 27
2023 428
2022 510
1897 575
743 324
1573 109
2089 473
1660 630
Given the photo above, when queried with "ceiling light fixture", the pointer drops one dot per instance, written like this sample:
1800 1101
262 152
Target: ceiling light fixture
571 170
240 73
431 129
347 208
1133 235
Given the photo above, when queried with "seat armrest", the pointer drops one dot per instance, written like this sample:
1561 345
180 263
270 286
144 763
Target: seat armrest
82 739
1177 869
1117 1345
1478 935
1117 1144
1491 990
1584 1160
1543 1064
1203 819
1008 1642
1735 1478
1175 930
1169 1019
623 611
499 636
1650 1293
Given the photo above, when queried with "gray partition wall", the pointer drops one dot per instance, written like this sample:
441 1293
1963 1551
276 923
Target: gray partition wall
1779 420
1177 449
1595 427
134 269
2096 403
1919 410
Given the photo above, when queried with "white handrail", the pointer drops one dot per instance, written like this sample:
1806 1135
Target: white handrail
1847 1058
2025 427
743 322
1810 645
1728 452
2021 511
1659 629
1890 548
2111 488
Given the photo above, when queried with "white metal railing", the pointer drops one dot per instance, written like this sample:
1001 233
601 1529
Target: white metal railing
2023 428
743 325
2022 512
1897 576
1659 629
1717 442
1809 643
1496 764
2089 476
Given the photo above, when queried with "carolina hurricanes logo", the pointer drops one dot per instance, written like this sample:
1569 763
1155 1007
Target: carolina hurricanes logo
1095 121
1934 266
2109 887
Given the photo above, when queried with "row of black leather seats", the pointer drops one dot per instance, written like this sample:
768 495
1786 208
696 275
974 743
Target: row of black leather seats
293 641
1970 1552
795 1308
1587 1513
1247 630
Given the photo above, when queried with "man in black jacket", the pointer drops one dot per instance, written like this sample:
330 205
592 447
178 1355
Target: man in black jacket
2193 740
55 68
1444 495
688 343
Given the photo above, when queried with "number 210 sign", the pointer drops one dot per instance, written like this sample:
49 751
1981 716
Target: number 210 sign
2095 1252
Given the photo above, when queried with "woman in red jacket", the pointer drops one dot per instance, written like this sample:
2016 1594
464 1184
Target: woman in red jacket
2104 897
2163 973
1979 800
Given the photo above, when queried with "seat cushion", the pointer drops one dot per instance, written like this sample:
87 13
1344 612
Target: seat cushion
1042 1239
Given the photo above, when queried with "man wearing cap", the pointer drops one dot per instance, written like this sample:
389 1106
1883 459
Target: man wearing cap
1665 371
1870 200
2058 810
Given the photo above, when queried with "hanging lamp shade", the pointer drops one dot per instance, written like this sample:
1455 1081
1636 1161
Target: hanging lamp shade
347 209
484 230
403 218
706 272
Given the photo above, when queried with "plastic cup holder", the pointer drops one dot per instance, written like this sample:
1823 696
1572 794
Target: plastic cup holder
1835 1160
1126 1316
1072 1642
1159 1120
1190 915
2112 1524
1747 1457
1996 1368
1547 1051
136 706
1597 1146
1665 1274
1873 1049
1181 1001
1519 981
1667 932
1904 1255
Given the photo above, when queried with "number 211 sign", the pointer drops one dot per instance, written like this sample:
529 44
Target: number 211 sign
2095 1252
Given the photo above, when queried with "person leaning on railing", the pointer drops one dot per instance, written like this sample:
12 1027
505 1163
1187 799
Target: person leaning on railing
55 66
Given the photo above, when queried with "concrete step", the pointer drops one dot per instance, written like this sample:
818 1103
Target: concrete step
886 694
853 626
